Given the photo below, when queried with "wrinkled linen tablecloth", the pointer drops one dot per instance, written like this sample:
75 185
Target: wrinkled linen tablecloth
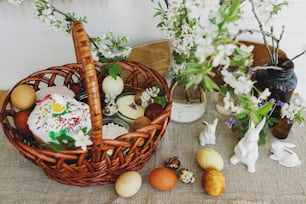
23 182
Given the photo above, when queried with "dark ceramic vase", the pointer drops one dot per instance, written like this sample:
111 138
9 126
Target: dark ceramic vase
281 83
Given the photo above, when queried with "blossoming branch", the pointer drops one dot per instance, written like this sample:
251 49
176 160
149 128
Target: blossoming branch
105 48
201 37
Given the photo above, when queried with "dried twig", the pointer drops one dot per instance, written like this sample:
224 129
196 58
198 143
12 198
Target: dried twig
186 12
252 31
274 52
261 29
167 3
277 44
293 58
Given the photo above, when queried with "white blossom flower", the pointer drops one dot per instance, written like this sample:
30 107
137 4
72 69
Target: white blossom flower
204 49
201 37
295 110
81 140
147 97
243 85
264 95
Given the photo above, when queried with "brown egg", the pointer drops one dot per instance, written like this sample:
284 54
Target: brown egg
23 97
213 182
140 122
21 124
162 179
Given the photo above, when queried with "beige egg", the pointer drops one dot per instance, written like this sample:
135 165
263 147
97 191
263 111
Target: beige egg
128 184
23 97
210 158
112 86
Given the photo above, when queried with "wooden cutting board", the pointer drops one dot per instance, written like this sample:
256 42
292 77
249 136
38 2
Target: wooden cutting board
3 94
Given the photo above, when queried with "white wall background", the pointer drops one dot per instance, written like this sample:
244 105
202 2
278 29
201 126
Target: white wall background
26 45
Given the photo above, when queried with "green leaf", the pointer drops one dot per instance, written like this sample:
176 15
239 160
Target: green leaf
209 84
114 70
158 13
265 109
223 89
240 116
254 117
54 146
160 100
262 139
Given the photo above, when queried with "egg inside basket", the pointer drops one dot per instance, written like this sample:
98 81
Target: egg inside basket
106 159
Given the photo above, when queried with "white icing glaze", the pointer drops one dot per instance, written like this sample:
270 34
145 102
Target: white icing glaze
42 119
62 90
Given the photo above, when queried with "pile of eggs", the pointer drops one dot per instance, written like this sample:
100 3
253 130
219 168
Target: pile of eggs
213 181
164 178
23 97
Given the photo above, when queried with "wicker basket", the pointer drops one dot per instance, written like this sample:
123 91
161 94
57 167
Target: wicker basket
93 166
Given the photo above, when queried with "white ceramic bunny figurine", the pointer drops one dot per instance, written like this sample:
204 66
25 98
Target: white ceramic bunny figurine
246 151
285 156
208 135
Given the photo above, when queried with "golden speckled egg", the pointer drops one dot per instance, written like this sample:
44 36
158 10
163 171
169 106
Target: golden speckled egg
128 184
210 158
162 179
213 182
23 97
111 86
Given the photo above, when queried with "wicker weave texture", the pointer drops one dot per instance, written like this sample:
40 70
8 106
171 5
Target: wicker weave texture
93 166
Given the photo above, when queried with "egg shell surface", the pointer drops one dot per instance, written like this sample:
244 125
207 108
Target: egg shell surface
128 184
162 179
20 120
210 158
112 86
213 182
23 97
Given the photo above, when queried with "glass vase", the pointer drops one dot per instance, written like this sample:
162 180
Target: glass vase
188 105
220 106
282 128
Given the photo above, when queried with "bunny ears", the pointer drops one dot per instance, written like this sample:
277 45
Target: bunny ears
285 156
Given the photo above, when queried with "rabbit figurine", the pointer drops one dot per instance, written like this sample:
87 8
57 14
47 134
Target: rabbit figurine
246 151
285 156
208 135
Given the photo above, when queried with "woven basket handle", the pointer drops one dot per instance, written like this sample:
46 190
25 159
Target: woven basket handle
88 72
